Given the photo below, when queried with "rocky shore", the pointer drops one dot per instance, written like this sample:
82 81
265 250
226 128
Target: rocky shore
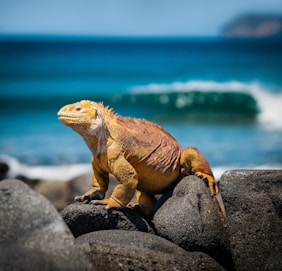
42 229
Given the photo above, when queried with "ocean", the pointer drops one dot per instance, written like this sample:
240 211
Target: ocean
222 96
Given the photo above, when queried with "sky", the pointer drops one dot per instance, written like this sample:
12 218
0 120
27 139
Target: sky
126 17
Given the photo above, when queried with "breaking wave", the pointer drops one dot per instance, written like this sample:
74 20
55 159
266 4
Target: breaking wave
209 98
202 101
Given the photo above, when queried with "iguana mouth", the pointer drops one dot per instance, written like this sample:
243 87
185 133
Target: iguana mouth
67 118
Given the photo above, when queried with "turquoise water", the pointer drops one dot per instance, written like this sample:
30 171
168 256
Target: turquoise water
222 96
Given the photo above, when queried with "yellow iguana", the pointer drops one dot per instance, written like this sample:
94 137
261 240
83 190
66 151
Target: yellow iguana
142 156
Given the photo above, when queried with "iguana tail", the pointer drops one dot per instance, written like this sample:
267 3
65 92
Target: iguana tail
194 163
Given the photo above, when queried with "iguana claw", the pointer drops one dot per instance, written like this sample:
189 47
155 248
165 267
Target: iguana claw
90 195
110 203
209 180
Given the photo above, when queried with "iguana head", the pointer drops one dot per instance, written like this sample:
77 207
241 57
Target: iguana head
84 116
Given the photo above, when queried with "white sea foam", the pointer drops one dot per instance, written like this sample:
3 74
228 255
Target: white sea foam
269 102
193 85
270 105
51 173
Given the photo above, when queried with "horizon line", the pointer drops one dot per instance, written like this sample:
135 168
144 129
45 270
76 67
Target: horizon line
91 37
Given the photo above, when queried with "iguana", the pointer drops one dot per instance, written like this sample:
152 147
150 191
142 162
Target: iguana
142 156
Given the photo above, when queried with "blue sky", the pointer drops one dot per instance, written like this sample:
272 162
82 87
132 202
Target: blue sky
126 17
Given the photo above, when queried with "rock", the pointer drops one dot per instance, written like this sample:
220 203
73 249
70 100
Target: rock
82 218
61 193
190 219
253 200
33 234
81 184
132 250
4 169
131 238
57 192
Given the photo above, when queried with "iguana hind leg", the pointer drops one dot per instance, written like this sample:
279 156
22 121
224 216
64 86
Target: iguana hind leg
193 162
145 203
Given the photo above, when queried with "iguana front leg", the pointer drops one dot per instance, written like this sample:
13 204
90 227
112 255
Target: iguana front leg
100 182
124 191
193 162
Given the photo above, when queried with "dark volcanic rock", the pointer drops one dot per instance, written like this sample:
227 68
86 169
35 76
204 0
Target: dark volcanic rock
33 236
132 250
61 193
190 219
131 238
81 184
82 218
253 200
4 169
57 192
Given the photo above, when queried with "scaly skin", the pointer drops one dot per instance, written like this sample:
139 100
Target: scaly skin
142 156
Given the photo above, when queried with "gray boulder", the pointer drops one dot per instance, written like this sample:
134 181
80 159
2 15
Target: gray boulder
131 238
81 184
82 218
57 192
189 218
33 236
62 193
253 200
132 250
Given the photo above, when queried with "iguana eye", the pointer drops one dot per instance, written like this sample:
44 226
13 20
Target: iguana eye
78 108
